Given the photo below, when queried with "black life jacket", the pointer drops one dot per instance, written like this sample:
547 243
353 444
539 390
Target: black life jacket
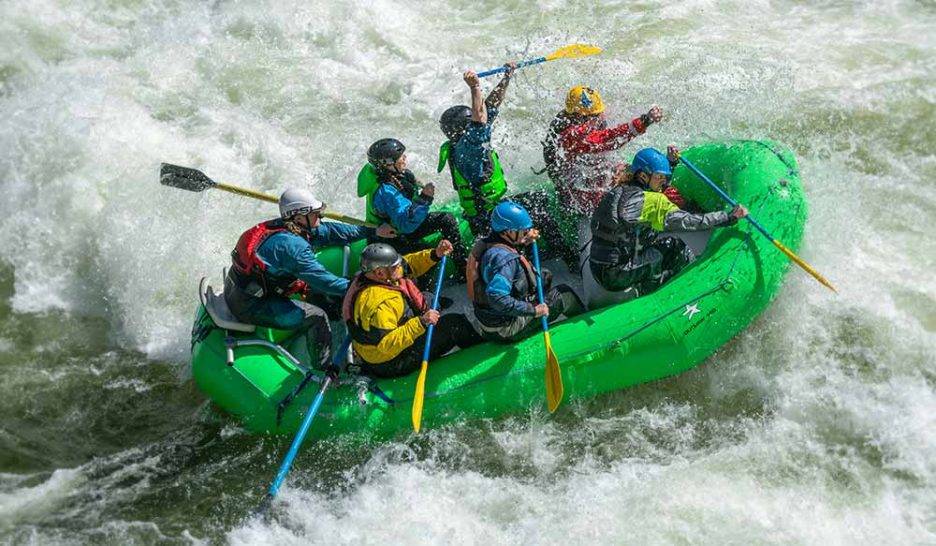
615 239
248 267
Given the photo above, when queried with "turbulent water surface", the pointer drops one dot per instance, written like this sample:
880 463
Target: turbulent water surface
817 425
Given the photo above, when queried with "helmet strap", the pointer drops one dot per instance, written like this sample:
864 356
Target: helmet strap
511 239
641 179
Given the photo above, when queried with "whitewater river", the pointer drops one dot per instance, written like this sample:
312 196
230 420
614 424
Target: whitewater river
817 425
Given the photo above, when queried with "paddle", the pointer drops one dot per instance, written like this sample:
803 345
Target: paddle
573 51
421 381
189 179
303 430
721 193
553 374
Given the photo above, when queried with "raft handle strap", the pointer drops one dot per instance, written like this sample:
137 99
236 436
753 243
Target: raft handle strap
376 391
345 260
229 344
233 343
284 403
367 384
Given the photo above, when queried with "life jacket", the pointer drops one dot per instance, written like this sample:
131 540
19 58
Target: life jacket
413 299
475 200
369 181
476 286
616 237
247 266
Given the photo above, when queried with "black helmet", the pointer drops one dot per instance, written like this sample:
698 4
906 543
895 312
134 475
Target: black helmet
378 255
454 121
385 151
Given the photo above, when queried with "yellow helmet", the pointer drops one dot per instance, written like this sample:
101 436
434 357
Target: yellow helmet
584 101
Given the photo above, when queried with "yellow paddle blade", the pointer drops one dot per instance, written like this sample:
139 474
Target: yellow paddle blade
418 397
806 267
574 51
554 389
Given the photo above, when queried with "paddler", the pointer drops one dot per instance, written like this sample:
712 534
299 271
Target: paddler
387 315
578 145
477 173
396 197
276 259
627 250
502 282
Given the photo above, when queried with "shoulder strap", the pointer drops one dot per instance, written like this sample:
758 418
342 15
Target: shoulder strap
347 304
444 151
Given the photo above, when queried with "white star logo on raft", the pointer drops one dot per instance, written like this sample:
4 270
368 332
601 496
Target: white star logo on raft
691 310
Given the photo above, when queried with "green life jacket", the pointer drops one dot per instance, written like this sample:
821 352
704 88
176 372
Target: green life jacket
367 185
368 182
474 200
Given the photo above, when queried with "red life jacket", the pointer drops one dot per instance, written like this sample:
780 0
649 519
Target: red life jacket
249 267
475 281
413 299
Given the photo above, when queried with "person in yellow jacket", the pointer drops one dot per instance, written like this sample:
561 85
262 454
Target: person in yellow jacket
387 315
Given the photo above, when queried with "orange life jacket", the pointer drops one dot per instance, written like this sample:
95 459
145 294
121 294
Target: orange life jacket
475 280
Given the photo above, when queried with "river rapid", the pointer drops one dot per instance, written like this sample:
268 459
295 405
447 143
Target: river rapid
817 425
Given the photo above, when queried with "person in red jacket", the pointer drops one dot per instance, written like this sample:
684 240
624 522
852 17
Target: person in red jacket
577 146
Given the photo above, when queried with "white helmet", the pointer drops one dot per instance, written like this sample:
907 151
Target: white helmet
298 201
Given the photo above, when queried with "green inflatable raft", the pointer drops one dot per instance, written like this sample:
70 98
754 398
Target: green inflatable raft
655 336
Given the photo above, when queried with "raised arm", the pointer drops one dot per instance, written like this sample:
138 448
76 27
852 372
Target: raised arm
496 96
586 141
478 109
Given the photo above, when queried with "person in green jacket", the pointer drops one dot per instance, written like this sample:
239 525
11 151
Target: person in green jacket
477 173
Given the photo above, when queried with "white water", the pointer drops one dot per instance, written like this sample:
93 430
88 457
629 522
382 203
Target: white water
816 426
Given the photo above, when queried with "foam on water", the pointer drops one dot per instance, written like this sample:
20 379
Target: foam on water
815 426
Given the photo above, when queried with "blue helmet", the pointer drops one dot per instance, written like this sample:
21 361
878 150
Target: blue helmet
509 215
651 160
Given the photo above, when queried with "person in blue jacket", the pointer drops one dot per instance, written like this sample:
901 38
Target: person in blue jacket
502 282
276 259
477 174
394 196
